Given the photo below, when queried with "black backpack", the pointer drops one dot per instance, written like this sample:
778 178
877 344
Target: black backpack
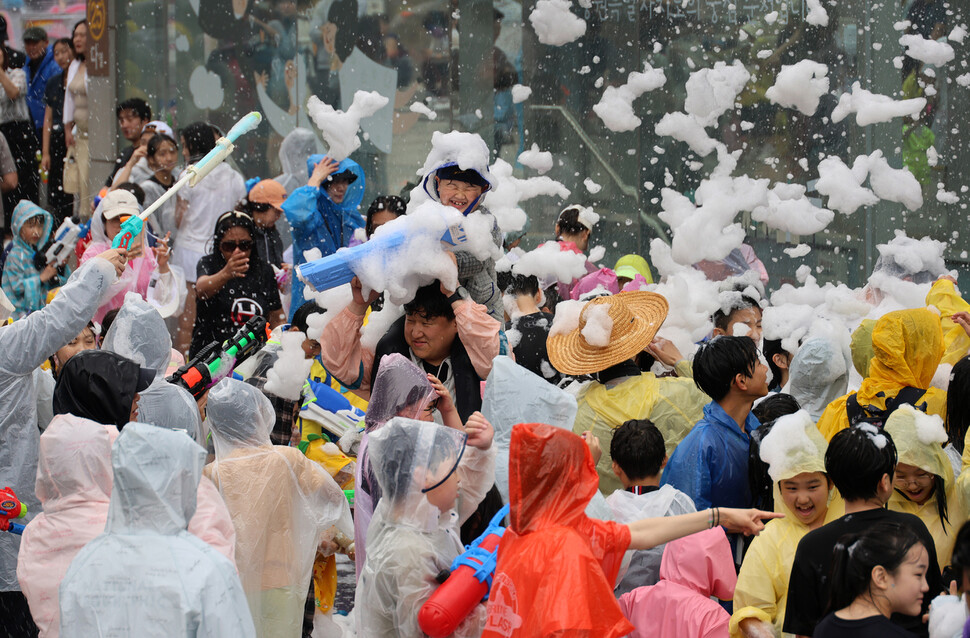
867 414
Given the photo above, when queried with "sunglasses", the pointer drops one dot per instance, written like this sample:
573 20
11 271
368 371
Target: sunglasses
231 246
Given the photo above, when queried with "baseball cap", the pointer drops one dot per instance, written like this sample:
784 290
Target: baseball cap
159 127
119 202
34 34
268 191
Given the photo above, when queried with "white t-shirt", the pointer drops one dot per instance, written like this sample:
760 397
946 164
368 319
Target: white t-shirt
217 193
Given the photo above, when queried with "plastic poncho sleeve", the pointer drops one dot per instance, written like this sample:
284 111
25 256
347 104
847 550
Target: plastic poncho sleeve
762 582
476 471
27 343
211 521
300 209
944 296
743 614
341 352
479 333
679 406
683 369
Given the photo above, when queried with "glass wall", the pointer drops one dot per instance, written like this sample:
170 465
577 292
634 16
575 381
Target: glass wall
218 59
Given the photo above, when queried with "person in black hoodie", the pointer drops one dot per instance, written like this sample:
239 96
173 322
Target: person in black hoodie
529 327
101 386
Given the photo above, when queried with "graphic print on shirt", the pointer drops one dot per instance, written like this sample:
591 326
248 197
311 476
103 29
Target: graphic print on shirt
503 617
244 309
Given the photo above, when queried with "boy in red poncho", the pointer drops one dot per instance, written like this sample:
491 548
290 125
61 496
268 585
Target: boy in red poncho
556 566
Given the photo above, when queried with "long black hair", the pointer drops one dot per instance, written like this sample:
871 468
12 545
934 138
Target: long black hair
958 403
856 555
227 220
199 139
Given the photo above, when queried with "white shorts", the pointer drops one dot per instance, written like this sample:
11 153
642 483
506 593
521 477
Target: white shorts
187 260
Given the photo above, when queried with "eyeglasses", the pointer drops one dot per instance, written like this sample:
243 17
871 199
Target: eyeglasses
231 246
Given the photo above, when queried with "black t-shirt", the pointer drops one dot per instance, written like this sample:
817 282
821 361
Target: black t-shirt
808 586
528 333
54 98
220 316
873 627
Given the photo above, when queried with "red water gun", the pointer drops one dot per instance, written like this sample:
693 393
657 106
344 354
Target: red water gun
466 586
11 507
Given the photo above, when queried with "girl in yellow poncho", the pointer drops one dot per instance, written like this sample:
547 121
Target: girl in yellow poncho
924 482
795 453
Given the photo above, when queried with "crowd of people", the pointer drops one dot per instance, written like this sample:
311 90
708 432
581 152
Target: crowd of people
811 486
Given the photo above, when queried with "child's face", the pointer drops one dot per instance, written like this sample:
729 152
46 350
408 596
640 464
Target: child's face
914 483
337 190
32 230
84 341
445 495
746 323
908 582
458 194
806 495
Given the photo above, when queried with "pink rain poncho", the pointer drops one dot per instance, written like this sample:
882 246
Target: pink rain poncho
74 487
400 389
693 569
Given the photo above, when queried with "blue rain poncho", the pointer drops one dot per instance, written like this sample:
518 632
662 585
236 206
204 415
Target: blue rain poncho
317 222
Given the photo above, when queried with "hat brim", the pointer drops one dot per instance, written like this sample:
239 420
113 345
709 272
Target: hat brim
145 378
571 354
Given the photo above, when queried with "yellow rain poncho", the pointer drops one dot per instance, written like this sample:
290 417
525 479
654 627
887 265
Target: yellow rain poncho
907 348
919 440
793 446
674 405
945 298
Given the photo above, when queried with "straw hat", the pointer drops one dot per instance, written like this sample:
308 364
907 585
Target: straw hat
636 315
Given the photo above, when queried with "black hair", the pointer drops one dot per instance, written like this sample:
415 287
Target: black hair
775 405
884 544
478 522
135 190
302 315
720 360
856 462
232 219
722 320
68 41
770 348
638 448
397 462
385 203
136 104
199 139
79 56
960 561
568 222
109 318
523 285
958 403
157 140
430 302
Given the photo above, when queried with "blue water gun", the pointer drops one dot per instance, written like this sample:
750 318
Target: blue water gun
340 267
132 227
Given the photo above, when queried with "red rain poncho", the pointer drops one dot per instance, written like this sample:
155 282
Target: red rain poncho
556 566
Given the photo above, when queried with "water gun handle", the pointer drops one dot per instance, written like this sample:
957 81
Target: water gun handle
130 229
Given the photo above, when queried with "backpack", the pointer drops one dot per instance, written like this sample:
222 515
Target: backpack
867 414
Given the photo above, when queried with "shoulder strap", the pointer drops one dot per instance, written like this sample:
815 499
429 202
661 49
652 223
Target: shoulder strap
853 411
908 395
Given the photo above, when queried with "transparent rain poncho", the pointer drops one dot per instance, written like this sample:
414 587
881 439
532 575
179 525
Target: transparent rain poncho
139 334
818 374
282 505
919 440
400 389
298 145
411 540
145 547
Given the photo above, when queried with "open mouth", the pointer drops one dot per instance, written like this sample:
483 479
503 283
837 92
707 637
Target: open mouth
805 512
915 496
